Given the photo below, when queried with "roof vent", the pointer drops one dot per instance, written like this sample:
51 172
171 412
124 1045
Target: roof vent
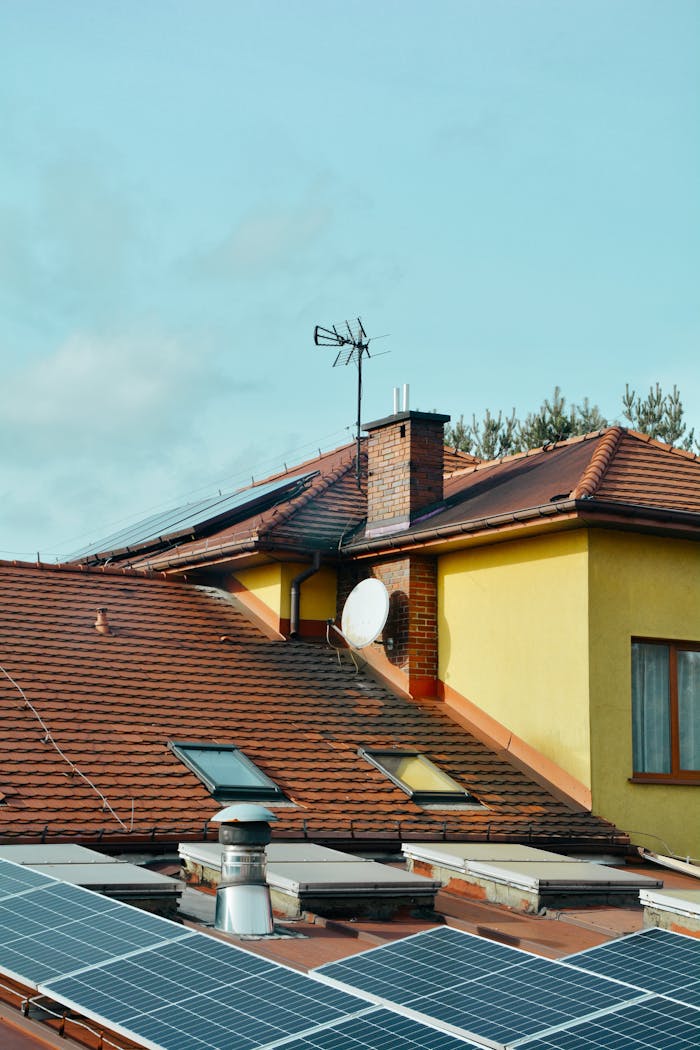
243 897
101 625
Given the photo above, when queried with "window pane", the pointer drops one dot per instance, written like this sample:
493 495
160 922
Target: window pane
419 774
226 772
689 708
650 708
227 767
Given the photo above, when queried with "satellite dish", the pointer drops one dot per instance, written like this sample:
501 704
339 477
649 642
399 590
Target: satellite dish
365 613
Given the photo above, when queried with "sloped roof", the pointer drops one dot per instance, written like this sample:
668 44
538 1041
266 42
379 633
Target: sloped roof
89 759
615 470
317 517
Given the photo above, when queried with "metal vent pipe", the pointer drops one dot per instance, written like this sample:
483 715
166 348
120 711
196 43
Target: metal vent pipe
243 897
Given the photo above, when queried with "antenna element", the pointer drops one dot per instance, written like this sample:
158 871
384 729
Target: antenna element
353 345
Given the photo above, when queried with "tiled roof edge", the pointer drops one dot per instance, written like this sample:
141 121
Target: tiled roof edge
310 494
307 463
599 463
648 440
84 570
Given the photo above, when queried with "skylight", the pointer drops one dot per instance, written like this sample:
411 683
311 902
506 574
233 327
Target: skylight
226 772
421 779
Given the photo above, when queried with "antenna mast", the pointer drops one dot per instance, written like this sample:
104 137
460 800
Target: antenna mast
351 347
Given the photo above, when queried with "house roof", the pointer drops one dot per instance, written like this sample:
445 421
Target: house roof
317 516
85 721
614 475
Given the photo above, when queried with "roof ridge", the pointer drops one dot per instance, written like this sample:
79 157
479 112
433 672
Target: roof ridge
599 462
82 569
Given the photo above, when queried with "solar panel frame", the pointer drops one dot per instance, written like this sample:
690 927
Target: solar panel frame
654 960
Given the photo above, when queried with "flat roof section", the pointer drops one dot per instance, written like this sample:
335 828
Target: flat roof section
306 877
84 867
527 878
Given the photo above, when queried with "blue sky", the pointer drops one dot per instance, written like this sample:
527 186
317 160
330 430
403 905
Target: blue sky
508 188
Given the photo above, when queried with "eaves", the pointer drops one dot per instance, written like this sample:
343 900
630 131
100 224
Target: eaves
570 513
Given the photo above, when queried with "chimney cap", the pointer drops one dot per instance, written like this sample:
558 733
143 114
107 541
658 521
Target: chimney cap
401 417
245 812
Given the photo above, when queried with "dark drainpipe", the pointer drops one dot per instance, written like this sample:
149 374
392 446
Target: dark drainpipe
295 594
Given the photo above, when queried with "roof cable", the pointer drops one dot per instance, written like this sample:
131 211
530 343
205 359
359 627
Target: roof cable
48 739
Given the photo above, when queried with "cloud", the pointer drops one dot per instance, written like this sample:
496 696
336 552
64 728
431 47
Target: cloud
110 425
266 240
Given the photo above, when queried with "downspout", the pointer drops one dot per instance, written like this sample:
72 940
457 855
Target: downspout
295 594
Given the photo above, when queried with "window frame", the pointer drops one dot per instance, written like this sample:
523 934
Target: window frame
266 791
459 797
677 775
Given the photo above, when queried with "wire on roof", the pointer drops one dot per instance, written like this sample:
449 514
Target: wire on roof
50 740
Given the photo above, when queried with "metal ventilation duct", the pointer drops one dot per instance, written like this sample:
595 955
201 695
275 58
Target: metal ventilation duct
243 898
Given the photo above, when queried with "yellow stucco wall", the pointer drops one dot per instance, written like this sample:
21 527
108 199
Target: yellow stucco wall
513 630
265 582
644 586
318 593
272 584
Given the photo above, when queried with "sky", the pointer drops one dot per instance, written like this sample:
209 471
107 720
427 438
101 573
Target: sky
506 191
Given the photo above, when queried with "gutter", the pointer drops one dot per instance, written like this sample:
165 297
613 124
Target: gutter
295 593
585 509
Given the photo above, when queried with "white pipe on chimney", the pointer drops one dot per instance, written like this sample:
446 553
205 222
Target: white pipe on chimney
405 397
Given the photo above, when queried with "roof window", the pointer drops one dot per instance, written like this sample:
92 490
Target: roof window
420 778
226 772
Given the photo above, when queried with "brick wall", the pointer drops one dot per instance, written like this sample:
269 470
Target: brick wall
412 621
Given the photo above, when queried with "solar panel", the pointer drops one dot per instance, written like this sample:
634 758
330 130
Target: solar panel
422 964
655 1024
16 879
654 960
376 1029
56 928
200 993
474 987
192 517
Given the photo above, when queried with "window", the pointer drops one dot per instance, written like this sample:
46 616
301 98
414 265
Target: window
226 772
420 778
666 710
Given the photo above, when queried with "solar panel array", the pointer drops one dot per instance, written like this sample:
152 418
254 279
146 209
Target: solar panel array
654 960
170 988
191 517
654 1024
499 996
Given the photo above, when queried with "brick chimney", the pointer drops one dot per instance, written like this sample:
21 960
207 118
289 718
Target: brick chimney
404 469
405 477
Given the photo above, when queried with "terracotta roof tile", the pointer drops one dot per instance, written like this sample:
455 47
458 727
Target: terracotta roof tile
111 704
605 470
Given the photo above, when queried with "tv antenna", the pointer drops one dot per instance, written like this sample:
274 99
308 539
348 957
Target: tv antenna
353 345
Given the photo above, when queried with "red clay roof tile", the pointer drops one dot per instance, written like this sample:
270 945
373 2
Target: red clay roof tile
111 704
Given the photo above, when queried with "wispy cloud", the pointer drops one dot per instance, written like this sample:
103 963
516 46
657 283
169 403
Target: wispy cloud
266 240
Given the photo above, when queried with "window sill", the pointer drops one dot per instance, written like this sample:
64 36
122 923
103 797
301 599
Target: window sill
662 781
